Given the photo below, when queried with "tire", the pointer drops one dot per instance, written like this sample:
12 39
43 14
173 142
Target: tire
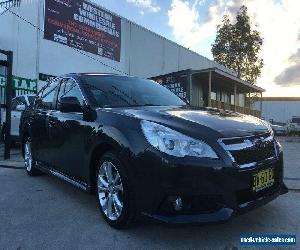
114 192
29 161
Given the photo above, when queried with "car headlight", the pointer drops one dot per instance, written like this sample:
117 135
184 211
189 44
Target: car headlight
174 143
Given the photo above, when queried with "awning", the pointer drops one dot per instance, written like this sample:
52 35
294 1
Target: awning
243 86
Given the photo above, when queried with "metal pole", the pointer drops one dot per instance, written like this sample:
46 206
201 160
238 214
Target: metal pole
209 90
190 87
8 93
235 95
261 96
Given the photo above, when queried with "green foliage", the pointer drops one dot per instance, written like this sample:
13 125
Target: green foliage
237 46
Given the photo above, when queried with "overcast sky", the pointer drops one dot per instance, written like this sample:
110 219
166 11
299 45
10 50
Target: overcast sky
193 24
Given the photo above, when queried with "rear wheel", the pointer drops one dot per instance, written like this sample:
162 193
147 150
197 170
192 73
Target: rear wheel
29 160
114 192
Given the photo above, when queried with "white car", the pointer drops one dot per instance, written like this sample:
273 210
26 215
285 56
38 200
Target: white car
294 125
279 130
18 105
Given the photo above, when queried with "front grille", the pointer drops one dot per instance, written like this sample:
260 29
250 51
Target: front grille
253 154
249 150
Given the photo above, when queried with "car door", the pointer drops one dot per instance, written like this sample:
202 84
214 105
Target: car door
69 133
41 139
17 107
14 117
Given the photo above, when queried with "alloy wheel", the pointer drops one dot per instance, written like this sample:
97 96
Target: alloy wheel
110 190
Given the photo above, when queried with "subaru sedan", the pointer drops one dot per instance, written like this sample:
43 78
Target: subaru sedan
146 152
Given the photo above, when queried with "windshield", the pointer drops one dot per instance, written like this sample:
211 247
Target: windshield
122 91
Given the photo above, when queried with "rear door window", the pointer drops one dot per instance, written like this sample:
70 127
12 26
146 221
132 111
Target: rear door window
46 98
17 101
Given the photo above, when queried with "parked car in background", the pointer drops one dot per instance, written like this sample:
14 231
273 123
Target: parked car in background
146 152
294 125
279 130
18 105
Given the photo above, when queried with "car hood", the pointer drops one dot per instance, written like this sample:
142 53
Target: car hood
226 123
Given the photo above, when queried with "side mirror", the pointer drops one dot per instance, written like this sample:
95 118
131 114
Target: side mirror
69 104
20 107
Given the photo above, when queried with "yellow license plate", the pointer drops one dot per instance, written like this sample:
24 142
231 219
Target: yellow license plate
263 179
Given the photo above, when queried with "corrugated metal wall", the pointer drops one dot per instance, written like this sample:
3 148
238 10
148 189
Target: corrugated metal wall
197 95
143 53
280 111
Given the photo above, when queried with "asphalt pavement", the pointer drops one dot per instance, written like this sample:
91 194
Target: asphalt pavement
45 213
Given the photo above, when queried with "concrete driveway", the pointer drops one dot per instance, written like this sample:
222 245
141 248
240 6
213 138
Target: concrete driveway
46 213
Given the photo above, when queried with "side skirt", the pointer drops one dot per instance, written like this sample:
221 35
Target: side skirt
77 183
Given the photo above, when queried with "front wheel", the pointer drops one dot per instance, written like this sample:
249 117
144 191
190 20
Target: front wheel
29 160
114 192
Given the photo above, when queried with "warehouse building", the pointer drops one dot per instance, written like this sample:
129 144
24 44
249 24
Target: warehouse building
54 37
279 109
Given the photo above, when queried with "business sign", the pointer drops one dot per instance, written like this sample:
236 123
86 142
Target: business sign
176 82
82 25
20 83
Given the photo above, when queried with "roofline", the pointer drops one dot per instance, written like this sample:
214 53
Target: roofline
92 73
222 72
218 71
173 72
281 99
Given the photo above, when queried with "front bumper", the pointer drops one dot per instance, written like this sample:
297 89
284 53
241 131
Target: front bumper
210 191
223 214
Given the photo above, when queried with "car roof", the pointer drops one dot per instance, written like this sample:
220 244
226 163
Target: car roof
93 73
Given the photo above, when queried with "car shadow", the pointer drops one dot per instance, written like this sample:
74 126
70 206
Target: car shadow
151 233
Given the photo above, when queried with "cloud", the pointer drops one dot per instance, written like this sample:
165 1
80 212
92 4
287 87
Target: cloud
148 5
185 24
278 22
291 75
295 58
184 19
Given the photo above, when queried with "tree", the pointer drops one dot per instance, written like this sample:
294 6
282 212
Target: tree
237 46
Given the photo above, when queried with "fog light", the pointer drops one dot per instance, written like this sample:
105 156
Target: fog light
177 204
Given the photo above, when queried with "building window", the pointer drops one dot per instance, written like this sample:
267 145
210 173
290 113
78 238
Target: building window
232 99
213 95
